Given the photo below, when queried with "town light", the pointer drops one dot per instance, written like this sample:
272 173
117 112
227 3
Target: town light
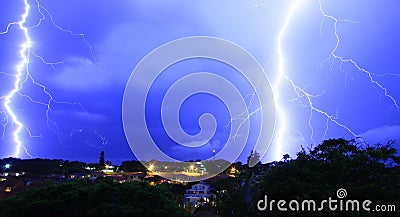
151 167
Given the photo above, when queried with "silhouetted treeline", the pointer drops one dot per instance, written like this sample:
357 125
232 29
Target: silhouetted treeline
132 166
365 172
36 167
106 198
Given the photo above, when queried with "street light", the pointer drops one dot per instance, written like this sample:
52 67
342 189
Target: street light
151 167
7 166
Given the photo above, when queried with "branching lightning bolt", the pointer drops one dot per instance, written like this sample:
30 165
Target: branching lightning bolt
349 60
245 116
283 123
281 117
104 140
22 76
25 47
40 9
300 92
8 116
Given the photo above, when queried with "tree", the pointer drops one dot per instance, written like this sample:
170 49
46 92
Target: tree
102 161
105 198
133 166
286 157
230 195
367 173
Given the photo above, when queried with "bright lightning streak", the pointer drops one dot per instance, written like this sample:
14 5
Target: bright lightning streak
281 129
25 49
283 122
22 76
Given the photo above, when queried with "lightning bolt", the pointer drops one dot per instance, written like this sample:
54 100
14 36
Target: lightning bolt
301 93
343 60
22 76
283 123
9 112
103 139
252 108
281 128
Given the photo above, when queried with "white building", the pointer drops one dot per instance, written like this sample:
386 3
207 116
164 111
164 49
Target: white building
198 195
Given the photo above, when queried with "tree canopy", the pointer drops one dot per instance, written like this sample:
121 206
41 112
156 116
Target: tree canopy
105 198
366 172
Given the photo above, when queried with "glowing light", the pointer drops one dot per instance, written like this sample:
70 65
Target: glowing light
23 76
283 121
151 167
25 48
281 114
7 166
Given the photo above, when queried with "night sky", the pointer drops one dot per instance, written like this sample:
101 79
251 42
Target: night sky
333 67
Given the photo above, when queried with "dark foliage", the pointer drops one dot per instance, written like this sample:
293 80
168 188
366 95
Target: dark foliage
105 198
366 172
133 166
38 167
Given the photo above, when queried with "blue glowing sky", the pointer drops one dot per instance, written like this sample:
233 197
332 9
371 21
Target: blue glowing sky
84 53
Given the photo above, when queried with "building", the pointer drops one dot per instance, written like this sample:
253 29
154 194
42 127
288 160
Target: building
198 195
11 186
